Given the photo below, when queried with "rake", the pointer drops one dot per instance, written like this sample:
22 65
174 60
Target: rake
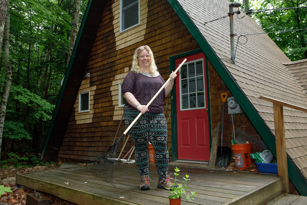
102 167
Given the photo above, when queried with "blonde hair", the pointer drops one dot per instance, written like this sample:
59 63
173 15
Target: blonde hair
135 65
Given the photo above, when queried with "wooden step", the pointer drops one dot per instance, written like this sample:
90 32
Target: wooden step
288 199
262 195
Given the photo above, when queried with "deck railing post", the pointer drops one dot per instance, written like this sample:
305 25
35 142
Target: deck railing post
281 152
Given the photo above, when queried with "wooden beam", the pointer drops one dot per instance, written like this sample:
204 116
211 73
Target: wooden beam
281 152
214 146
296 107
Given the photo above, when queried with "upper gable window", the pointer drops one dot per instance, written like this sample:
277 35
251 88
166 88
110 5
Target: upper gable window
129 14
84 101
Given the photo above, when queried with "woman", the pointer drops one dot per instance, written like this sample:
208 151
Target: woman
138 88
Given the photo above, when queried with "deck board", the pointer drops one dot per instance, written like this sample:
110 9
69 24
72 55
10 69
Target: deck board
213 187
302 200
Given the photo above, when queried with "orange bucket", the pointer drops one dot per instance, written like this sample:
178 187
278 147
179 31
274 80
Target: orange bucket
241 154
151 153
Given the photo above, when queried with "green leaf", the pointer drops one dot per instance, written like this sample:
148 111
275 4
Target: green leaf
4 189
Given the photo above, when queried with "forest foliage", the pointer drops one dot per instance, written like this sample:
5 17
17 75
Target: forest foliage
39 44
275 22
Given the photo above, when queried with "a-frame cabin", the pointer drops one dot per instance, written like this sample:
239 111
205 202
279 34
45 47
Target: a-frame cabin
89 109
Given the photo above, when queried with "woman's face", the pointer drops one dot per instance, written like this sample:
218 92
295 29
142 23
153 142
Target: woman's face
144 59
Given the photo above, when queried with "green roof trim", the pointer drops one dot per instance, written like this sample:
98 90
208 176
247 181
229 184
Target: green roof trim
66 76
235 89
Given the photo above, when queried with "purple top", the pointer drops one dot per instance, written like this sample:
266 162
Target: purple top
144 88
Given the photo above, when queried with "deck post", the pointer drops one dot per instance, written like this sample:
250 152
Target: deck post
281 152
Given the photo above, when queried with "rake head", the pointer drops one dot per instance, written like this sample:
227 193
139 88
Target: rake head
102 167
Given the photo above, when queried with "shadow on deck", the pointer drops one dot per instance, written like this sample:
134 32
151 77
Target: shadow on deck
212 187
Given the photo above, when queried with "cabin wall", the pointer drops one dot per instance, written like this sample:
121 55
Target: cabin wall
110 59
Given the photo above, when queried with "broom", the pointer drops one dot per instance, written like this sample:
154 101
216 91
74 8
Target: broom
102 167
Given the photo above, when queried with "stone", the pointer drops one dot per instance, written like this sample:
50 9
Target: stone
9 180
40 168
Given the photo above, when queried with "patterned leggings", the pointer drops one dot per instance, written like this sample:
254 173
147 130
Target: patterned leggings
148 126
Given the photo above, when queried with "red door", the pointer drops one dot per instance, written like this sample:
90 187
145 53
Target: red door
192 104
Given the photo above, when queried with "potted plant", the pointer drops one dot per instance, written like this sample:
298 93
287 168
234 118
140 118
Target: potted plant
179 190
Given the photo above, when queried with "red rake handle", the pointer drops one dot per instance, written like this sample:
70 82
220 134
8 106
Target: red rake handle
128 152
154 97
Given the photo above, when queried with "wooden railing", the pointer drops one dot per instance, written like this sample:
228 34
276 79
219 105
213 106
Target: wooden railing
282 166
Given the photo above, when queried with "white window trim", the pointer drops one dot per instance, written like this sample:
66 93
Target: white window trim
89 97
205 91
121 15
120 103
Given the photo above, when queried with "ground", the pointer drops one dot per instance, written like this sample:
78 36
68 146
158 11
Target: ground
19 194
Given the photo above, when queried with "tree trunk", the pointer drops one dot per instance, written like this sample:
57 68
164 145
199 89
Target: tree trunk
3 11
246 5
28 82
74 27
304 45
9 75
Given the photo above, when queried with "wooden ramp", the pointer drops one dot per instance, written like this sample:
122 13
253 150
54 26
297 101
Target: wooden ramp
212 187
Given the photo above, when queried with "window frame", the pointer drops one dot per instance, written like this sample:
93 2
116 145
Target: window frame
121 16
121 102
204 81
89 96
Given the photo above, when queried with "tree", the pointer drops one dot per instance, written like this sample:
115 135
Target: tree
74 27
3 12
9 75
294 43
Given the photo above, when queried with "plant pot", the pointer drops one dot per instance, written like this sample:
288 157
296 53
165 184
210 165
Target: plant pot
175 201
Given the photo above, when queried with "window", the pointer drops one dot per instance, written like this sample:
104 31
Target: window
192 87
84 101
121 99
129 14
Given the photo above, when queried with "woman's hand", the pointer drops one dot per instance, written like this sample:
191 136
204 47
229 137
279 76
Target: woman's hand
142 108
173 75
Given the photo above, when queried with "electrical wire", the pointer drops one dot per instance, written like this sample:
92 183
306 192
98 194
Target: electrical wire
215 19
249 34
275 9
256 11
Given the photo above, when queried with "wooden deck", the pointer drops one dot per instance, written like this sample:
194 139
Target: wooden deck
212 187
